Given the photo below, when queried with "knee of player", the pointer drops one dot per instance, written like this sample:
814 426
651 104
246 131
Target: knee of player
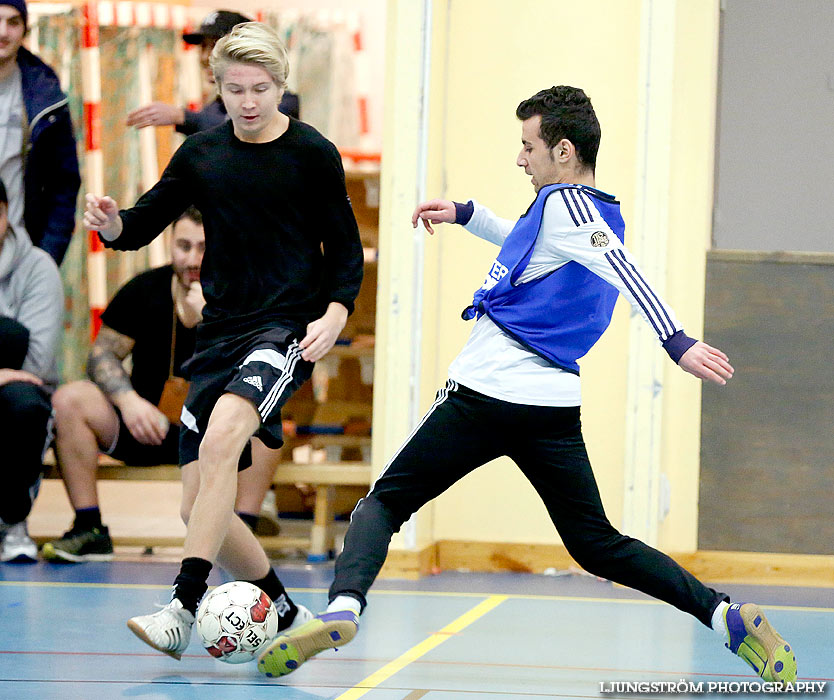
584 557
590 552
374 508
69 402
233 421
221 445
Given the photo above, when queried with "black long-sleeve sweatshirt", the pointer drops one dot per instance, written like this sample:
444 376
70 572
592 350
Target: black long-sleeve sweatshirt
281 238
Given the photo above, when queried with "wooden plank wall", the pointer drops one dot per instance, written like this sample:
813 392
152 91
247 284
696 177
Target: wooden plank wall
767 441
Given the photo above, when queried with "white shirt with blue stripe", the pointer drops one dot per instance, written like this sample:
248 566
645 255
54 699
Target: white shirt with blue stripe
493 363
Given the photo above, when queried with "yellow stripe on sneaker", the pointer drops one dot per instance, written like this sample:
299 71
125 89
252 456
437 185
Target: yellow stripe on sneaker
422 648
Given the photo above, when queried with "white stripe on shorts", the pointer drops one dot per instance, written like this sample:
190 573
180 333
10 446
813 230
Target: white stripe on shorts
188 419
272 396
271 357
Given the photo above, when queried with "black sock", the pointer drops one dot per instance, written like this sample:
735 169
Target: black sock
272 586
251 519
87 518
192 582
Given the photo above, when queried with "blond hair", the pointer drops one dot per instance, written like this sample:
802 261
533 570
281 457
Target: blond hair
256 44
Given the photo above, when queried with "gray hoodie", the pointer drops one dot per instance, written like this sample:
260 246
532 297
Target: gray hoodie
31 293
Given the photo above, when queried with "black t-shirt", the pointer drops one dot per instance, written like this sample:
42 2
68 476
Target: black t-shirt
143 309
281 238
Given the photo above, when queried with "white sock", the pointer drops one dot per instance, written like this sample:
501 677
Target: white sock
344 602
718 622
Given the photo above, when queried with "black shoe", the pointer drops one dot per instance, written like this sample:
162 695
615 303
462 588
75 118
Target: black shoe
267 526
80 545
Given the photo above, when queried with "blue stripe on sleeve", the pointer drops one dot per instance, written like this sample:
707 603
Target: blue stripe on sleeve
567 204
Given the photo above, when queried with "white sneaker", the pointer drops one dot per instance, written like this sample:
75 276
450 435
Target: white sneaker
302 617
167 630
17 546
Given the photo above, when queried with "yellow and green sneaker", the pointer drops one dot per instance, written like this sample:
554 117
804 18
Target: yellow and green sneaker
79 545
753 639
289 650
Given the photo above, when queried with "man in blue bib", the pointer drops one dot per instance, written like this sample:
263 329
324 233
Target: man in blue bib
546 300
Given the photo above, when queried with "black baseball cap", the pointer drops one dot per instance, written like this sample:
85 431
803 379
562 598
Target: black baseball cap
218 23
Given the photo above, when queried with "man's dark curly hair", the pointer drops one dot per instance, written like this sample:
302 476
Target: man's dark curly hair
191 213
566 113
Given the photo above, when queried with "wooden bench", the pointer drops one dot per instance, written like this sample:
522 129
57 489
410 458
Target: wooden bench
325 477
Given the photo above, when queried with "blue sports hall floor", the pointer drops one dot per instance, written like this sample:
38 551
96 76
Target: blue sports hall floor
448 636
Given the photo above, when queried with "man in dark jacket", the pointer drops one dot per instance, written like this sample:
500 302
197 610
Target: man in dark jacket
38 160
215 25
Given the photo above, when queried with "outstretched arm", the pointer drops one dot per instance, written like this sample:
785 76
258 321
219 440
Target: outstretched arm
156 114
594 245
693 356
476 218
435 211
706 362
102 214
136 227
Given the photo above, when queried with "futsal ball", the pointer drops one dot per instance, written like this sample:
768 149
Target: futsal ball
235 621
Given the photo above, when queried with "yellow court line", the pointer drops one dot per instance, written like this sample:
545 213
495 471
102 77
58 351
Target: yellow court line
422 648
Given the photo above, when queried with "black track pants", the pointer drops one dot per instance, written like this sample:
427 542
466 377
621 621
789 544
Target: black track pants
463 430
25 412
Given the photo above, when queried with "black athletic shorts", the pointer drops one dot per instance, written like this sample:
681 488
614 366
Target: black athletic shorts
128 449
264 367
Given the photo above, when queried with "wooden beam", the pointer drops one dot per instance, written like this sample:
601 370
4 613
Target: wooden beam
723 567
332 473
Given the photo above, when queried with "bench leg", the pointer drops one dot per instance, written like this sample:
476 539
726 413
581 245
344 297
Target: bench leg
321 537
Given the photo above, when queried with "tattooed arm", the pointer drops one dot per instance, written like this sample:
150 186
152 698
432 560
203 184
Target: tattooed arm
104 366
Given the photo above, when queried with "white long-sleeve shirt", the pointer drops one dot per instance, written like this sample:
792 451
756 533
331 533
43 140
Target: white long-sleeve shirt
496 365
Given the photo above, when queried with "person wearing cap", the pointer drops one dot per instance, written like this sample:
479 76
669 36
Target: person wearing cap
186 121
38 160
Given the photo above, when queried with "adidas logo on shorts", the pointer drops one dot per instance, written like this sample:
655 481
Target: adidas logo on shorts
255 382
